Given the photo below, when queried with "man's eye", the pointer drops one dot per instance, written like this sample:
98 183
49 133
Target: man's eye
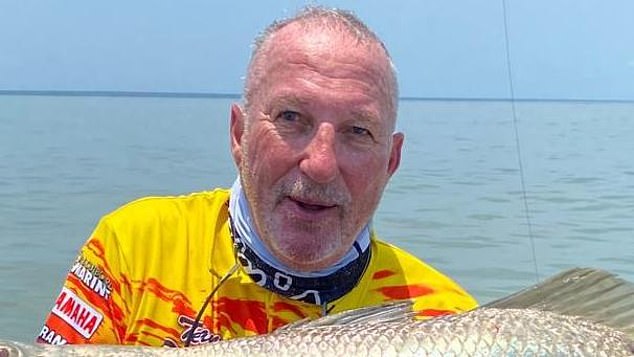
357 130
289 116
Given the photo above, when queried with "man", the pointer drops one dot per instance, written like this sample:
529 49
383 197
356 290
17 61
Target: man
315 146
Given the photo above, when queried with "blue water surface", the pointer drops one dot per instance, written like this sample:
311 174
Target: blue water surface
457 201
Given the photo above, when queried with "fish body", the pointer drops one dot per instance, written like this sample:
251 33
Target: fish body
531 328
482 332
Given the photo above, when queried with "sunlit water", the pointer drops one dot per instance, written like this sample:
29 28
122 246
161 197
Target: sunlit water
457 200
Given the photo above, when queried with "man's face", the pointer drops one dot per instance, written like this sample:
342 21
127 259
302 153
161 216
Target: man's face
317 149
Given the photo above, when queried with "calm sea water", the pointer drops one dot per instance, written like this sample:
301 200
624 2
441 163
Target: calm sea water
457 200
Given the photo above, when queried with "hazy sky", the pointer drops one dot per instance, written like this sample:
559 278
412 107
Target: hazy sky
442 48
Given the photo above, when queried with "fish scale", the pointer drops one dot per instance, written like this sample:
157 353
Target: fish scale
503 332
482 332
598 321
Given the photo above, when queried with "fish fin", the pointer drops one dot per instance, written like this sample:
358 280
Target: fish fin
589 293
391 311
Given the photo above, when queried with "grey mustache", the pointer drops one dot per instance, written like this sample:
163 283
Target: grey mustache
314 192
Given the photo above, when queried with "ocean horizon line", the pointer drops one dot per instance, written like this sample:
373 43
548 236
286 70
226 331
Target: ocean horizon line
160 94
112 93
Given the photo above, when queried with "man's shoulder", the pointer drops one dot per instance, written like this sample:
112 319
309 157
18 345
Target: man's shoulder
152 229
390 257
160 218
394 266
158 207
388 254
397 274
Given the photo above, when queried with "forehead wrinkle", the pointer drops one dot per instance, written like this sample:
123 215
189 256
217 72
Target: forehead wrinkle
288 99
315 76
336 76
285 48
363 115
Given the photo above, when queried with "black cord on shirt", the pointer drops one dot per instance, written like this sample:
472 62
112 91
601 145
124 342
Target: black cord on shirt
202 309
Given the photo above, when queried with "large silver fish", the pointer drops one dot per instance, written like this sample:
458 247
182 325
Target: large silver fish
580 312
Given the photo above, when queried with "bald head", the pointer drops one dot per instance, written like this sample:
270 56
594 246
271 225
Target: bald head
318 28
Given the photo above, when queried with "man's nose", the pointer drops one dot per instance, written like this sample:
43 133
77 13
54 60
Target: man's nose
319 161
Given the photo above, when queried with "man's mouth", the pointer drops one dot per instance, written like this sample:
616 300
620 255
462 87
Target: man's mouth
311 206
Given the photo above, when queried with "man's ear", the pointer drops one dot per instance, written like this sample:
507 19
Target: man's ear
236 129
395 153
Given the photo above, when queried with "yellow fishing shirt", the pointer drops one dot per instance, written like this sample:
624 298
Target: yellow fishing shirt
145 272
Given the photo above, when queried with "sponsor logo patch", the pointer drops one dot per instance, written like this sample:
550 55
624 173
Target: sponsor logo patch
51 336
77 313
92 277
200 335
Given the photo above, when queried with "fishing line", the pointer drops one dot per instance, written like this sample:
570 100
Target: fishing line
196 323
517 138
